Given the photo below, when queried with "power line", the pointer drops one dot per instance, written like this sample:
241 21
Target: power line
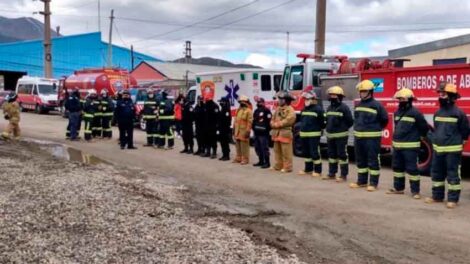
119 35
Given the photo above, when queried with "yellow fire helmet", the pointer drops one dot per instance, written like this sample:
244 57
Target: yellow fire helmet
243 98
448 87
336 90
366 85
404 93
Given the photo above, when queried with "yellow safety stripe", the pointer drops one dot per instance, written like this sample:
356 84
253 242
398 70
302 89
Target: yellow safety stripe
446 149
455 187
374 172
108 114
88 115
362 170
310 134
337 135
415 144
308 160
343 162
150 103
167 117
445 119
360 134
438 184
317 162
399 174
366 109
332 160
98 114
334 113
149 116
309 114
405 119
414 177
104 102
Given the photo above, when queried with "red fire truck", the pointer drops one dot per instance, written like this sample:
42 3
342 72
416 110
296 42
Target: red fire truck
388 78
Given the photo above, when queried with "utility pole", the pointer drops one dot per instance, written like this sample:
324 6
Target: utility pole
320 27
110 44
188 52
132 57
287 48
47 39
99 16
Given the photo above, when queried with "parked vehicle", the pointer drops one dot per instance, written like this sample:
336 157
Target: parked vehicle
3 94
37 94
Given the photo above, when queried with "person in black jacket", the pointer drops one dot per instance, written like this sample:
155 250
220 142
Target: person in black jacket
89 110
166 119
451 131
410 127
95 105
211 111
370 118
187 126
107 111
261 128
224 121
73 106
149 114
125 115
338 121
200 123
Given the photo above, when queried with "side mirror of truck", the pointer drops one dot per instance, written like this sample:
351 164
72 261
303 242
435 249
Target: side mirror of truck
316 81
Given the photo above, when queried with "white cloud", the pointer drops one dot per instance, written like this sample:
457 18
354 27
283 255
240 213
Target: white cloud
265 61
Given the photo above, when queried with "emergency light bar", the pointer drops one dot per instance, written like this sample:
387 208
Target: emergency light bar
306 56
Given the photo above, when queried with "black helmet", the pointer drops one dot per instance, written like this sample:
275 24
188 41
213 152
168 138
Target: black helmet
284 95
11 97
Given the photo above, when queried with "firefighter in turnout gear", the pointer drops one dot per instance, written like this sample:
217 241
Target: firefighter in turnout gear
166 117
11 112
89 111
410 126
107 112
241 131
312 121
451 130
338 121
149 114
95 104
370 118
281 132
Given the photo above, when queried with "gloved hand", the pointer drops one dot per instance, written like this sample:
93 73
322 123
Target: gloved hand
6 117
104 108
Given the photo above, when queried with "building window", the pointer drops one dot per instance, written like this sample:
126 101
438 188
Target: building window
265 83
277 82
449 61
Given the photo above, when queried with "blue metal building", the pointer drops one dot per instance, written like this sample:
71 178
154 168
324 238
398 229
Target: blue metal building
69 53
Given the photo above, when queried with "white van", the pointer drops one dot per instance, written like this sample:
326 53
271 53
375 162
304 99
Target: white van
38 94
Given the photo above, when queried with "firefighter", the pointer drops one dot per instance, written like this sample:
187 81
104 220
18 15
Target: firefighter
241 131
312 121
370 117
149 113
66 97
224 132
187 121
89 110
199 124
73 106
166 117
125 116
211 111
281 132
410 126
11 112
451 131
338 121
95 104
261 128
107 111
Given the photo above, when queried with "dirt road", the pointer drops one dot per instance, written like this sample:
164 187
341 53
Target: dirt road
319 221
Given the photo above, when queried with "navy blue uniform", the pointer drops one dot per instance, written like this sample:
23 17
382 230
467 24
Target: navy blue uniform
410 126
199 123
73 106
224 121
187 127
125 115
261 128
211 111
370 117
450 130
312 121
338 121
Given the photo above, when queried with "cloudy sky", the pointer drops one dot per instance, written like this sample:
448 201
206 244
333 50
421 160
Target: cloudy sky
254 31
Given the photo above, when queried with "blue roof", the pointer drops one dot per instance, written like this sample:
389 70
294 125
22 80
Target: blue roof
69 53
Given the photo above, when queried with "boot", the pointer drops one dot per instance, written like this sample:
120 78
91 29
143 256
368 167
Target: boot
259 164
395 191
371 188
190 151
224 158
214 156
266 165
184 151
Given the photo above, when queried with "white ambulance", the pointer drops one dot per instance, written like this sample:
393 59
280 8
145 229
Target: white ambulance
231 84
37 94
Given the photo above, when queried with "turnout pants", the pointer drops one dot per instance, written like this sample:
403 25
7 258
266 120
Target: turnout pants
165 134
262 148
106 125
405 160
338 154
243 150
311 152
96 128
283 156
224 140
13 128
126 134
368 160
151 131
446 166
88 129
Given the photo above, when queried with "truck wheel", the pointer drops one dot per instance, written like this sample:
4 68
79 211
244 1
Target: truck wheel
142 123
425 157
22 109
297 141
37 109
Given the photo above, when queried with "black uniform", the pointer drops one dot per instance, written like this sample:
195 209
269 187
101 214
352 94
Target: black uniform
410 126
150 117
89 111
187 126
450 130
224 121
107 111
338 121
211 111
312 121
370 117
261 128
125 115
73 106
95 104
166 119
200 124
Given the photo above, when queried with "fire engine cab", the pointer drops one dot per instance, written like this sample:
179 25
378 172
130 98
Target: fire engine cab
388 77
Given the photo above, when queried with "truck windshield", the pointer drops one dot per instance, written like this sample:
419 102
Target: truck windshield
47 89
293 78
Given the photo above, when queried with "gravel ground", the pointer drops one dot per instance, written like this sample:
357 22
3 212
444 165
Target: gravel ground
55 211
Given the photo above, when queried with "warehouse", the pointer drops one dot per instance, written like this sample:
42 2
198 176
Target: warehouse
69 53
